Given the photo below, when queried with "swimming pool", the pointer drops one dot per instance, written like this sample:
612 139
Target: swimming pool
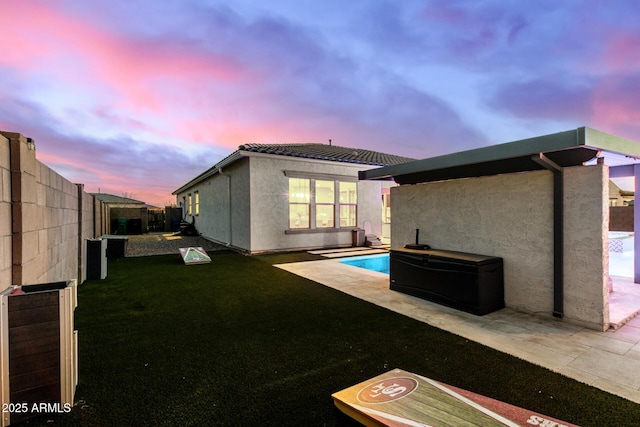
379 263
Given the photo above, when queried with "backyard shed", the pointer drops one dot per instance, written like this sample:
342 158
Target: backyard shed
541 204
276 197
125 215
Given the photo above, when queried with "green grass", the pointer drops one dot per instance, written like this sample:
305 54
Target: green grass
237 342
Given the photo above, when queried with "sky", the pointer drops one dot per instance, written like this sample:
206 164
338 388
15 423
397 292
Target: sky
136 97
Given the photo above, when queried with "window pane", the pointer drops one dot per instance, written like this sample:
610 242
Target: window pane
298 216
324 192
348 216
299 190
324 216
348 193
386 208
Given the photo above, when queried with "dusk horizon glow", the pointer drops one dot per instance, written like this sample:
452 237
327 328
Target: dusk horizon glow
138 98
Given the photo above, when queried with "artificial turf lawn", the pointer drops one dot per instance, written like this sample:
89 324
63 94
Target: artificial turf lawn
239 342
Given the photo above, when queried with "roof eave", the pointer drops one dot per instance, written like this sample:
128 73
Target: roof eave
233 157
611 143
478 155
566 148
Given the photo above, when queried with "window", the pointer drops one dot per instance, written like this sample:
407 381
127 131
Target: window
348 204
386 208
299 202
189 204
323 200
197 206
325 203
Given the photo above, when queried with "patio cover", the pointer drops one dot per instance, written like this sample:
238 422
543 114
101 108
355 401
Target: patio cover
569 148
552 152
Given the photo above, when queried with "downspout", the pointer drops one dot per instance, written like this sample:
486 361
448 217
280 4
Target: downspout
228 204
558 229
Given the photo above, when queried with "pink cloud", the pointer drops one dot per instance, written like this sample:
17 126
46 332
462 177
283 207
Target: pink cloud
152 184
616 104
21 43
615 99
622 52
230 133
139 71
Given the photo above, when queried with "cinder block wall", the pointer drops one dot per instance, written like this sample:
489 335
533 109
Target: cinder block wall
511 216
50 230
90 214
46 220
5 214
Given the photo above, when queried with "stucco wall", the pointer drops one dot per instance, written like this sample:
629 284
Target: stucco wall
511 216
586 246
247 205
224 206
270 204
241 207
214 220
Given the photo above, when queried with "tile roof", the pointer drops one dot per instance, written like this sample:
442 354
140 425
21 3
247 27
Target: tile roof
332 153
312 151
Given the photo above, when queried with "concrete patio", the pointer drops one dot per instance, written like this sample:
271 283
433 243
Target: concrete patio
607 360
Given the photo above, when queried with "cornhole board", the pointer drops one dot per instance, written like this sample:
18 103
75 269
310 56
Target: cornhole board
192 256
399 398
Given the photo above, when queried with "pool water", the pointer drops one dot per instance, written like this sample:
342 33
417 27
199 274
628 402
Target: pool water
379 263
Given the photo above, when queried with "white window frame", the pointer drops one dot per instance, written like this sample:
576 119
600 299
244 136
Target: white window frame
336 179
307 203
341 204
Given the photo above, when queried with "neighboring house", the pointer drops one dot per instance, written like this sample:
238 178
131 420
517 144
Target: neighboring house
124 215
621 208
542 204
619 197
276 197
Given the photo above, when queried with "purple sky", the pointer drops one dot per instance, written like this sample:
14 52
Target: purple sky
138 97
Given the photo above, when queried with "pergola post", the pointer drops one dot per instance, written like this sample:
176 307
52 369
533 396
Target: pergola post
636 227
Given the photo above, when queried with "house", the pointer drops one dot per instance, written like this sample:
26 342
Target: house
542 204
620 208
277 197
124 215
620 197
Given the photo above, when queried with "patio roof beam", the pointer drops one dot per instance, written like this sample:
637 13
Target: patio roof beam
636 229
558 225
546 162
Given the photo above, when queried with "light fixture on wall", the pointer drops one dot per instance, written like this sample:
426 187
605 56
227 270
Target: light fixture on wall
31 145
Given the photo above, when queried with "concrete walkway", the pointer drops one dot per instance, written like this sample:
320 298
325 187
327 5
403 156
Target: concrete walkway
609 360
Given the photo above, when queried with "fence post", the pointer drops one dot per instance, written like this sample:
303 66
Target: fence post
80 232
17 143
